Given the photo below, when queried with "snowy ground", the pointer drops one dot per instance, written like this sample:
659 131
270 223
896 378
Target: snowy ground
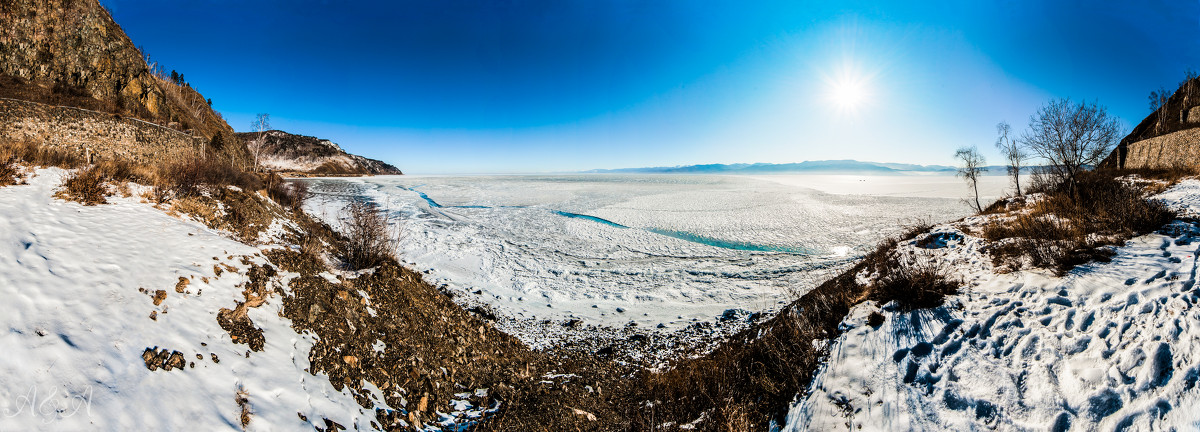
76 321
654 250
1109 347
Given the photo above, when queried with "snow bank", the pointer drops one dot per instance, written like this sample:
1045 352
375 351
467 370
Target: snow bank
77 320
1110 346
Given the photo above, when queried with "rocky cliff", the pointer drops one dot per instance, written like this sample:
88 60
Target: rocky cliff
1168 138
71 52
282 151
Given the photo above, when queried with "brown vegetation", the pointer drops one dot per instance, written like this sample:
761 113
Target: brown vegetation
87 186
369 240
37 155
1060 232
912 283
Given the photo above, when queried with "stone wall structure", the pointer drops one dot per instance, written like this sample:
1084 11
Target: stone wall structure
1174 150
102 135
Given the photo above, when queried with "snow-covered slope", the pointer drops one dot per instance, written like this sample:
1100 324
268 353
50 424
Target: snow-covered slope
1107 347
282 151
78 286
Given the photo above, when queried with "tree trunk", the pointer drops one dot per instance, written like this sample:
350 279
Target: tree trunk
975 184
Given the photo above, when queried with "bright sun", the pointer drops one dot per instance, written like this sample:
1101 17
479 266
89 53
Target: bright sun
847 94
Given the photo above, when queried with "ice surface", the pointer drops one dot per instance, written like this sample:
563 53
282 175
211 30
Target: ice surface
664 249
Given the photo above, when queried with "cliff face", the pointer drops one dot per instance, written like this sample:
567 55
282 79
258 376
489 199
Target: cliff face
282 151
71 52
1167 138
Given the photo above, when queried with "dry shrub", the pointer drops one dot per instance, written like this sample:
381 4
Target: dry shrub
369 240
122 171
289 194
87 186
912 284
9 174
242 398
1060 232
190 177
915 228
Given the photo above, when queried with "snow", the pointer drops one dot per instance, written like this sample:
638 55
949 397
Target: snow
1108 347
75 324
615 249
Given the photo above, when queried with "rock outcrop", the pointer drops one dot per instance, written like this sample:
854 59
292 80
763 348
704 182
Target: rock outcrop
300 154
1167 138
71 52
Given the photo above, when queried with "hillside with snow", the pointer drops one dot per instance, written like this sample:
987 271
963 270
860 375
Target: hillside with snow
300 154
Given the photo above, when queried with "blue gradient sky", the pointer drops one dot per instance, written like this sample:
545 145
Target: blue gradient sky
561 85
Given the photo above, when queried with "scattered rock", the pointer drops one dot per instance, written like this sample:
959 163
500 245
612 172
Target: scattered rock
240 328
181 286
584 414
159 296
163 359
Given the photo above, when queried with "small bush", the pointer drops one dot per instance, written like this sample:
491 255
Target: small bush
9 175
919 284
369 241
86 186
289 194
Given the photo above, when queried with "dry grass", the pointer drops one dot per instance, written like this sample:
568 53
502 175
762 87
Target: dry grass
912 283
87 186
38 155
289 194
195 176
1059 232
9 173
242 398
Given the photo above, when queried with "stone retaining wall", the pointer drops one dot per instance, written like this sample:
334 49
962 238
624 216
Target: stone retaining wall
1173 150
104 135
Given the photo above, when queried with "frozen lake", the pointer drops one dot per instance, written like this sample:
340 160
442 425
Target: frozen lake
660 251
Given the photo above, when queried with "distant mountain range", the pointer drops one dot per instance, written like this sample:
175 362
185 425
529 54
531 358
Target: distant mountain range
845 166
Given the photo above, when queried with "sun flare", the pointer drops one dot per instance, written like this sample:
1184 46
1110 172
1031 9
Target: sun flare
847 94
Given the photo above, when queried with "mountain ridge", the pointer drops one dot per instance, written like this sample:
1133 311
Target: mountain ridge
308 155
819 166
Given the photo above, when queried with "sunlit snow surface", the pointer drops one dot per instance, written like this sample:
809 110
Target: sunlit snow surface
1110 346
648 249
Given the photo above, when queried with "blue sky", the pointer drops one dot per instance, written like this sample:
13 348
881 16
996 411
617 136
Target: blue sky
562 85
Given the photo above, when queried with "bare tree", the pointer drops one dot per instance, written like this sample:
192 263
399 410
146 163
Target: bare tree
1188 85
1071 136
1158 99
261 124
1012 151
972 167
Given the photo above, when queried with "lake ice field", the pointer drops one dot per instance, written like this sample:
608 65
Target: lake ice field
657 251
